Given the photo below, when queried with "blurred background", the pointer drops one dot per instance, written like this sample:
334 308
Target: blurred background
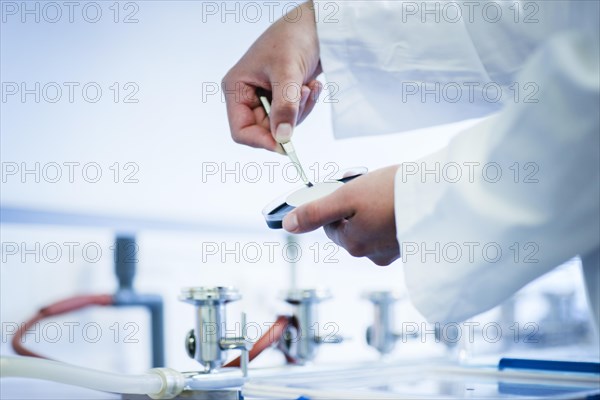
112 111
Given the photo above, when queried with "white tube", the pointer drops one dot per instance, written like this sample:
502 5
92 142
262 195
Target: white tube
158 383
224 378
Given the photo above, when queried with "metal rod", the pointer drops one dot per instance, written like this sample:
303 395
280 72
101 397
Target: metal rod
244 356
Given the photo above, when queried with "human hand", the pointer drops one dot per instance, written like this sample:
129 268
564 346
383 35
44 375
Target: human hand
285 61
358 216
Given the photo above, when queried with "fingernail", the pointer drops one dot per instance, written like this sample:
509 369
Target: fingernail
283 133
290 222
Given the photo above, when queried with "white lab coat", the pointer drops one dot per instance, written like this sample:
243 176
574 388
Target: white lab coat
376 53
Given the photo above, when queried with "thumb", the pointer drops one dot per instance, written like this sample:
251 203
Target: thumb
329 209
287 94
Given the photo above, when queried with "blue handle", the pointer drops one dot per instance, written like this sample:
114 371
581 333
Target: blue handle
548 365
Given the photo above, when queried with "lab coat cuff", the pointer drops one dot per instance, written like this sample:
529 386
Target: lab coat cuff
414 197
415 200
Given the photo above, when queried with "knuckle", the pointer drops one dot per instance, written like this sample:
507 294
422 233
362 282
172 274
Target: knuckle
225 81
331 233
356 249
287 107
310 215
237 138
381 262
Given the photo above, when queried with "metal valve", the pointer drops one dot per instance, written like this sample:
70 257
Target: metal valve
206 343
381 334
300 340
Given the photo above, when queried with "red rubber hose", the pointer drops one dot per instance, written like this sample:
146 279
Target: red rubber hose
61 307
271 337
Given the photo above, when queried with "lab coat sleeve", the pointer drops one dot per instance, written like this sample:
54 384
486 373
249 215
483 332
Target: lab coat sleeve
510 198
394 66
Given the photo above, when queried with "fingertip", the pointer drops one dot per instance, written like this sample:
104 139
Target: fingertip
286 103
316 87
284 132
290 222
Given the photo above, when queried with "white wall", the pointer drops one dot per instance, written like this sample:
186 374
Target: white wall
175 131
